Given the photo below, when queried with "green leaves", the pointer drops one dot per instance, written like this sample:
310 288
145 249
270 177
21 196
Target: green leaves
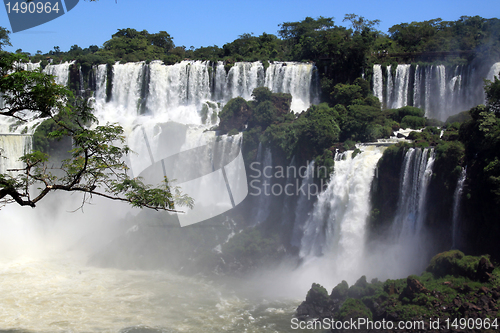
95 163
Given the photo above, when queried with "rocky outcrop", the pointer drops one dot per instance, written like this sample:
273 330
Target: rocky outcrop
449 289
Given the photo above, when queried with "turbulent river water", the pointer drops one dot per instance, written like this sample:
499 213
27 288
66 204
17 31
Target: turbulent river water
46 284
57 294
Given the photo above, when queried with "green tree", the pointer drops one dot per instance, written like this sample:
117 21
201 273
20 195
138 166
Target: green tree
4 38
95 166
359 23
492 90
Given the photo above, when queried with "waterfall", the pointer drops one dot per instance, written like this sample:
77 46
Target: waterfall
303 206
60 71
12 147
243 78
263 186
101 81
441 91
337 224
193 92
408 249
28 66
293 78
401 83
415 177
494 71
457 198
390 86
378 83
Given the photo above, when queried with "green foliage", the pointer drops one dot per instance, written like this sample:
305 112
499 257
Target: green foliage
31 90
354 309
453 263
323 164
317 128
452 151
262 94
4 38
235 115
96 163
340 291
452 286
346 93
359 23
492 90
264 114
252 48
467 33
413 122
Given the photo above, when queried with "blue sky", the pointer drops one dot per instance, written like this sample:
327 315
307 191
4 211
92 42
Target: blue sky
204 23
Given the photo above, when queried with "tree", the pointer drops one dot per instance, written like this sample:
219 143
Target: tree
4 37
492 90
359 23
95 166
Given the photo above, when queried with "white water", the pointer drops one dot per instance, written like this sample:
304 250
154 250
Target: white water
263 185
457 199
441 91
46 285
401 86
178 92
378 83
61 72
11 148
302 210
336 227
409 249
416 174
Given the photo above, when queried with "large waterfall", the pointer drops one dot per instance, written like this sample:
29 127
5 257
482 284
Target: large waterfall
440 90
415 177
190 92
336 227
167 112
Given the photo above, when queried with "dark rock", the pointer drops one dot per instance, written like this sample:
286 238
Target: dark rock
316 305
413 287
484 270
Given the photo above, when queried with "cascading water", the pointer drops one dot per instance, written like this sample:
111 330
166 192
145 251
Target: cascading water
162 110
401 86
457 198
303 206
13 146
408 232
378 83
60 72
415 177
262 188
441 91
336 227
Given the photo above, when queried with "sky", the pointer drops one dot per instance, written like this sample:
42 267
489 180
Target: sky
205 23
